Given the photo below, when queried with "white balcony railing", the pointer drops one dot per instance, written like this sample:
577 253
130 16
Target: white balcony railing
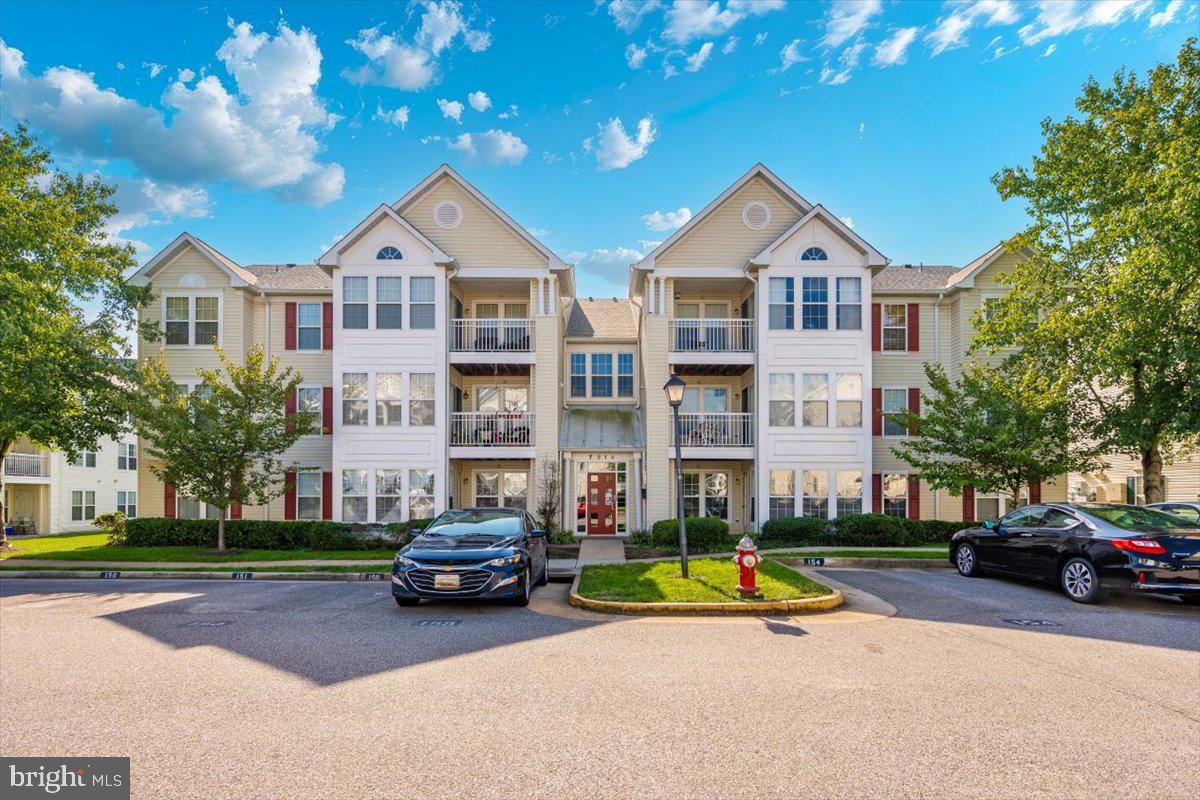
712 335
491 335
491 429
716 430
26 465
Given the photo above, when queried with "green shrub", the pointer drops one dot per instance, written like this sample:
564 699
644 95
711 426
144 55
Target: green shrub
870 530
245 534
114 523
931 531
798 531
704 534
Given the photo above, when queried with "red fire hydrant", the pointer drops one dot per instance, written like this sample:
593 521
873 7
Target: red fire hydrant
747 560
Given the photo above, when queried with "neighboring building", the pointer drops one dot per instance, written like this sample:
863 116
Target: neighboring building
452 365
58 495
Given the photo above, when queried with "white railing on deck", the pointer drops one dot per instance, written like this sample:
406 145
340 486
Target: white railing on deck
716 430
491 428
26 465
491 335
712 335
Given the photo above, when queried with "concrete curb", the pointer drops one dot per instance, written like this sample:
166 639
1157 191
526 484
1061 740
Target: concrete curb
868 563
247 575
810 605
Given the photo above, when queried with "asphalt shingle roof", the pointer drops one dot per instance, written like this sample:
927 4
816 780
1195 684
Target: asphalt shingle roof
307 277
608 318
901 278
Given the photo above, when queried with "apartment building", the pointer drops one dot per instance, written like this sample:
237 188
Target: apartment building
452 365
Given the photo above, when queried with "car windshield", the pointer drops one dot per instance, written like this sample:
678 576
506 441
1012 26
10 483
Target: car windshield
1133 518
464 522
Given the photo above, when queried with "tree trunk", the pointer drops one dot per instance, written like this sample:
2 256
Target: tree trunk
221 530
1152 474
4 545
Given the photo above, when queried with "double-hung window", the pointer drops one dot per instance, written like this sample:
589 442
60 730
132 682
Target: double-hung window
127 503
389 310
354 495
83 505
126 455
308 326
178 320
421 403
602 370
781 311
814 304
578 375
816 400
389 494
691 494
895 495
849 492
309 401
420 493
815 488
422 313
308 494
782 393
781 485
192 320
86 458
895 327
849 401
354 302
389 398
624 374
849 304
895 401
207 323
355 410
706 494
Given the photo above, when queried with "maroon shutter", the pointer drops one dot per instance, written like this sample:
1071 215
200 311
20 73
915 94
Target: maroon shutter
327 410
914 497
168 501
876 411
877 493
290 410
235 510
914 405
289 495
876 328
327 326
289 326
914 327
1035 492
326 495
968 511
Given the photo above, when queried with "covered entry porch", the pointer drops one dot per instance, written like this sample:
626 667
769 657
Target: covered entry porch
717 488
26 506
492 483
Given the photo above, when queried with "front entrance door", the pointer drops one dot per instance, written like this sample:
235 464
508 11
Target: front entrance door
602 503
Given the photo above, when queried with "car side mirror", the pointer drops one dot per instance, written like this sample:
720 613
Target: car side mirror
538 534
991 524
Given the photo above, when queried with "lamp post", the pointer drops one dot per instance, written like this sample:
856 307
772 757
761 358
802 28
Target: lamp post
674 389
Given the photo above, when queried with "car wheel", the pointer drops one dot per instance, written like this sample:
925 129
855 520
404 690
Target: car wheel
545 578
406 601
522 599
967 561
1080 581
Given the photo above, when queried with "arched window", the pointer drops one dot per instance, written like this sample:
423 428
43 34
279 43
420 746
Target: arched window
814 254
389 253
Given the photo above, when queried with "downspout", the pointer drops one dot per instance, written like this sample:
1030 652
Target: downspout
937 357
752 490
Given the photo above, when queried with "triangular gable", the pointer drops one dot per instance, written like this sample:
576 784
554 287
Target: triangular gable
965 277
330 257
237 276
874 257
446 171
758 170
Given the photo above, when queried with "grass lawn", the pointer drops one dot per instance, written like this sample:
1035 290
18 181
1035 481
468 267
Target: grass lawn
924 553
712 580
95 547
382 566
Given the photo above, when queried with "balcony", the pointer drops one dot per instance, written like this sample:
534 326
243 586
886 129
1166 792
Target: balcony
491 434
725 435
491 341
26 468
712 341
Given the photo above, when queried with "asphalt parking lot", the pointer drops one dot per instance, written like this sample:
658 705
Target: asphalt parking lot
942 687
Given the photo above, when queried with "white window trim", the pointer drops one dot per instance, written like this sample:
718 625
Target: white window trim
502 472
833 301
341 400
320 408
122 452
796 407
830 492
882 328
615 397
127 493
830 403
766 512
191 345
703 495
830 300
883 412
83 454
883 493
863 401
320 328
408 400
373 302
320 495
378 249
342 302
83 504
800 251
834 497
410 302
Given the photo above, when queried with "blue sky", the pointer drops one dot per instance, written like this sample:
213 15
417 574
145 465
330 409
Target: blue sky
271 129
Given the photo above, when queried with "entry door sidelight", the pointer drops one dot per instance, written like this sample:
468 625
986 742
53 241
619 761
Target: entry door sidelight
602 503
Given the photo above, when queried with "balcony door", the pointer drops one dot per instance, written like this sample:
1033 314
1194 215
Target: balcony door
701 326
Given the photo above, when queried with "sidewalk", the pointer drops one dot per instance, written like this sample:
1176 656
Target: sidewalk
34 563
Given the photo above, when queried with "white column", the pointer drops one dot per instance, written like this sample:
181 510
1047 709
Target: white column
541 301
650 295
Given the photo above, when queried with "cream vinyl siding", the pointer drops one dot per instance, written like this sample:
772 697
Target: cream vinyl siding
741 481
481 239
1183 479
316 366
723 240
252 324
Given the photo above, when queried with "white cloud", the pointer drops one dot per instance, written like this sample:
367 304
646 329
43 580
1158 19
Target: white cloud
635 56
513 111
628 14
696 60
790 55
551 158
1050 50
186 75
260 135
413 65
121 65
730 45
846 19
398 116
848 222
491 147
144 202
894 49
538 233
479 101
609 263
1065 16
1001 52
154 68
847 61
759 38
426 140
667 220
950 33
1165 17
691 19
451 109
615 149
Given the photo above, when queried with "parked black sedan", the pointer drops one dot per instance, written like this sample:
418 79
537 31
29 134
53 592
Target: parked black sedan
490 553
1088 548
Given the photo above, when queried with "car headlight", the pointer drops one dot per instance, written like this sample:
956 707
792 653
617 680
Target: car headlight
404 561
504 562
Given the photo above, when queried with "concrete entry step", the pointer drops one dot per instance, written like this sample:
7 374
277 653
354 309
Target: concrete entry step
601 550
562 568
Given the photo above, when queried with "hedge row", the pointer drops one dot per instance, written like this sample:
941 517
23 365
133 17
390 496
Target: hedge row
858 530
246 534
704 534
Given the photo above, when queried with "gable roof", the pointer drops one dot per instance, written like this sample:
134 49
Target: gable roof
608 318
759 170
330 257
446 171
874 257
907 278
238 276
965 277
291 277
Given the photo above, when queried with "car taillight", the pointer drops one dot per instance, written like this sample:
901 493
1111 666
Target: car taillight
1147 546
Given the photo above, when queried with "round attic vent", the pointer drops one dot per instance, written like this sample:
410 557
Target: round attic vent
447 215
756 216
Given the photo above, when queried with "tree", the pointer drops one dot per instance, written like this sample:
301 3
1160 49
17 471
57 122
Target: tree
549 493
223 443
1113 264
990 431
62 374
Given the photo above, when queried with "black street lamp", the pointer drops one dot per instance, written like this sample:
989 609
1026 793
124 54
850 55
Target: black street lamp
674 389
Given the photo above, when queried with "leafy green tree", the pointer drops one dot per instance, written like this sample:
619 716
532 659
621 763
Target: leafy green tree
223 443
990 430
62 372
1113 264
